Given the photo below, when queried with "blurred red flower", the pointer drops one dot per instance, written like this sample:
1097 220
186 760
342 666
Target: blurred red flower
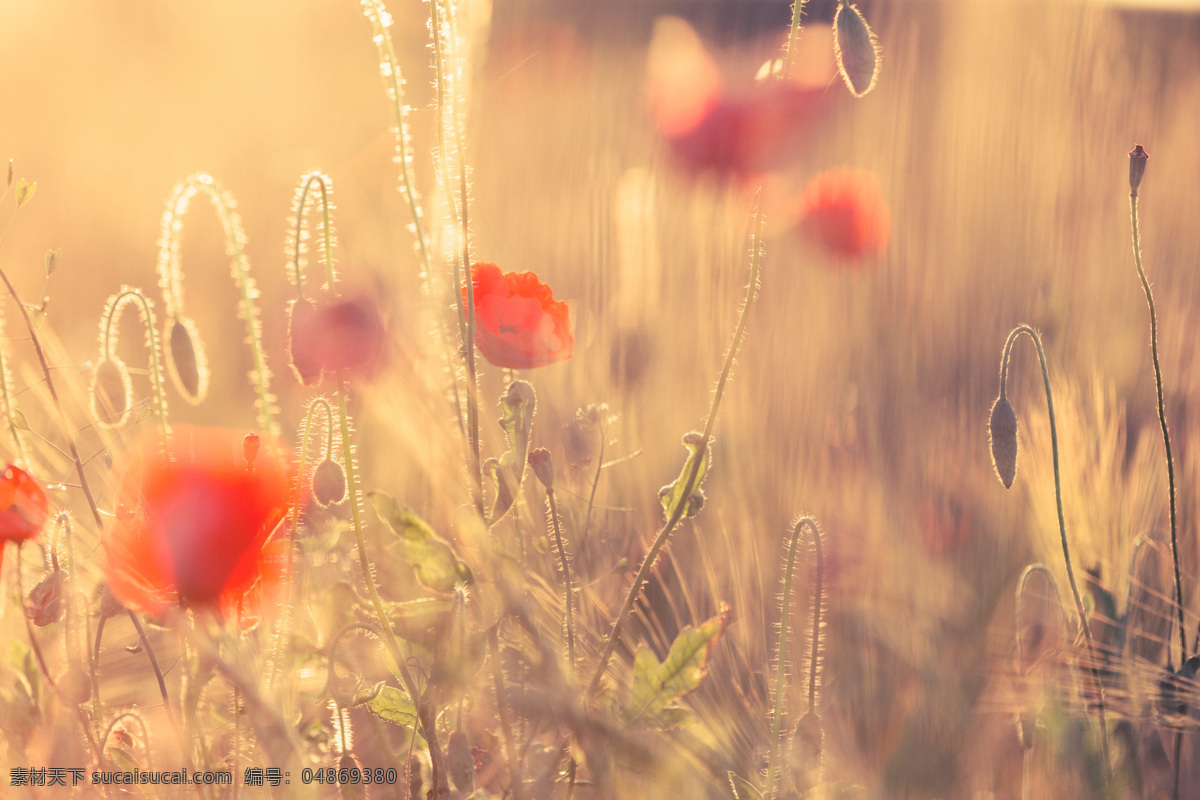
193 518
709 126
518 323
844 210
334 334
23 507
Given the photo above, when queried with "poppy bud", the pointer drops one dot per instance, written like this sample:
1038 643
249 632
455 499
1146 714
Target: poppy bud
543 467
251 443
581 440
856 50
1002 430
44 605
1137 167
111 393
460 762
185 360
329 483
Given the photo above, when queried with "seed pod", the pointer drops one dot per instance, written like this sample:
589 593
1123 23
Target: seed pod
460 762
44 605
856 50
1002 430
329 483
185 360
111 393
542 466
1137 167
349 790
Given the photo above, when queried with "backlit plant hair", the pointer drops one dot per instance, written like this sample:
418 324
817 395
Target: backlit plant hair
298 234
9 408
813 666
110 323
186 362
1004 441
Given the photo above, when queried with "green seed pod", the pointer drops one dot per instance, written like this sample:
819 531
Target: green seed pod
111 393
1002 430
185 360
329 483
460 762
856 50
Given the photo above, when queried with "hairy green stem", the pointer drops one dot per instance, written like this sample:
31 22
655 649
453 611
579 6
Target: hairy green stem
1062 524
610 644
568 589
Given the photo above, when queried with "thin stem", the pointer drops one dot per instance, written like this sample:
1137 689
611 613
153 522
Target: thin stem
610 644
568 589
514 764
793 36
1062 524
781 658
326 230
1162 418
425 716
108 341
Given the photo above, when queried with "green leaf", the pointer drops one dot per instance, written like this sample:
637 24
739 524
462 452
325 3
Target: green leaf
742 788
437 565
517 406
394 706
673 493
657 686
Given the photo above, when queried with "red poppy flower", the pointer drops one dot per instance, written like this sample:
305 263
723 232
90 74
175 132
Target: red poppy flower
844 210
23 507
192 521
518 323
335 335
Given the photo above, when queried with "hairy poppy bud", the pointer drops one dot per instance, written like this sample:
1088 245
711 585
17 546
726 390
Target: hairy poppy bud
329 483
542 466
185 360
44 605
856 50
1002 430
111 393
110 606
1137 167
302 344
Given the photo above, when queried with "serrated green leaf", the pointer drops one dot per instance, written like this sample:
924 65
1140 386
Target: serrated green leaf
517 407
742 788
673 493
436 564
656 686
394 706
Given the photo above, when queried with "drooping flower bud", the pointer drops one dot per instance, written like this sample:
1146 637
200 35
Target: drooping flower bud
1002 430
329 483
186 362
856 50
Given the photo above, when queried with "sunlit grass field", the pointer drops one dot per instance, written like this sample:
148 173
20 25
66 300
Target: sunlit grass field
998 133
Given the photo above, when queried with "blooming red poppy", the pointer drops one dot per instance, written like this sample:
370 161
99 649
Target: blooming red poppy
335 335
844 210
193 517
23 507
518 323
